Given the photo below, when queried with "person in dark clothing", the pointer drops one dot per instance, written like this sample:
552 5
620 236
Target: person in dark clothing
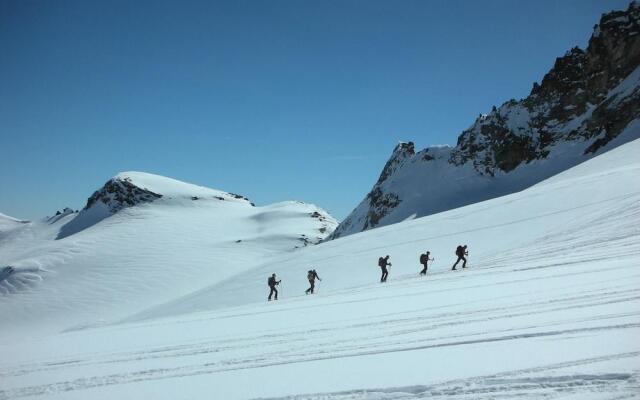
383 262
312 275
424 260
461 252
272 282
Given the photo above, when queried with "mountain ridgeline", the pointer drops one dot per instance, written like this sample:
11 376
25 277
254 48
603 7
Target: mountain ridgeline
137 189
588 103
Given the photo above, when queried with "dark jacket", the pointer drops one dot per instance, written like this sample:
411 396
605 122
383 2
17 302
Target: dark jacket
313 275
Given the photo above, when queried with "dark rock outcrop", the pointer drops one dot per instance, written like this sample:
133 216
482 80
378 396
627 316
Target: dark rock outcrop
587 99
119 193
578 84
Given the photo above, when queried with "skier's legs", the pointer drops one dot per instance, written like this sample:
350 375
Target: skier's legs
276 293
310 290
457 261
271 292
464 262
424 270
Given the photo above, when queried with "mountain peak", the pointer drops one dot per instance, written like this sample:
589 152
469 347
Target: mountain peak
588 101
120 192
132 188
401 152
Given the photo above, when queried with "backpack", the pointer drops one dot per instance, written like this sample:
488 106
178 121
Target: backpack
381 262
310 275
271 281
423 259
460 251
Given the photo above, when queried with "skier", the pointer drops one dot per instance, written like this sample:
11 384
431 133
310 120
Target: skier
383 262
272 282
311 276
461 251
424 259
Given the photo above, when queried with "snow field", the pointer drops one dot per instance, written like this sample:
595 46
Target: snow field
548 308
139 257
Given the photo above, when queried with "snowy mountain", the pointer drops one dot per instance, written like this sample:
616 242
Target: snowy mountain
160 301
588 103
128 189
157 289
141 240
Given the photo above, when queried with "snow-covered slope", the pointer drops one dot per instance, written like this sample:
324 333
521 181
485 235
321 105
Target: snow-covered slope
587 104
548 308
5 219
7 223
141 240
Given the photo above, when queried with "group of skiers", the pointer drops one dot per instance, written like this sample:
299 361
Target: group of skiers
312 275
383 263
461 253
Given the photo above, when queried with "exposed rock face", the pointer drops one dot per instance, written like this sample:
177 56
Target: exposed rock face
387 201
399 155
119 193
575 90
326 225
587 100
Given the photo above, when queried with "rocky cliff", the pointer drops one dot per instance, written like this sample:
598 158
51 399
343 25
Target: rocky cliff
589 102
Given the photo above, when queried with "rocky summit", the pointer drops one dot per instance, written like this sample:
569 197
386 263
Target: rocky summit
588 103
120 192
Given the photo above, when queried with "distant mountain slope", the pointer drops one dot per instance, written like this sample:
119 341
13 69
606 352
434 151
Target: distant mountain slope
141 240
589 102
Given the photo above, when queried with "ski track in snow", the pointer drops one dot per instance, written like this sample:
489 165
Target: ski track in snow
513 384
397 332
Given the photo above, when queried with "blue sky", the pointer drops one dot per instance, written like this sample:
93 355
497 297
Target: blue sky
275 100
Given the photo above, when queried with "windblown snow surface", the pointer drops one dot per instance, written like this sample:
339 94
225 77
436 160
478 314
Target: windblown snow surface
549 307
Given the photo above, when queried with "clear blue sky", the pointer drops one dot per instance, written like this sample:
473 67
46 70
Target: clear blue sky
275 100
